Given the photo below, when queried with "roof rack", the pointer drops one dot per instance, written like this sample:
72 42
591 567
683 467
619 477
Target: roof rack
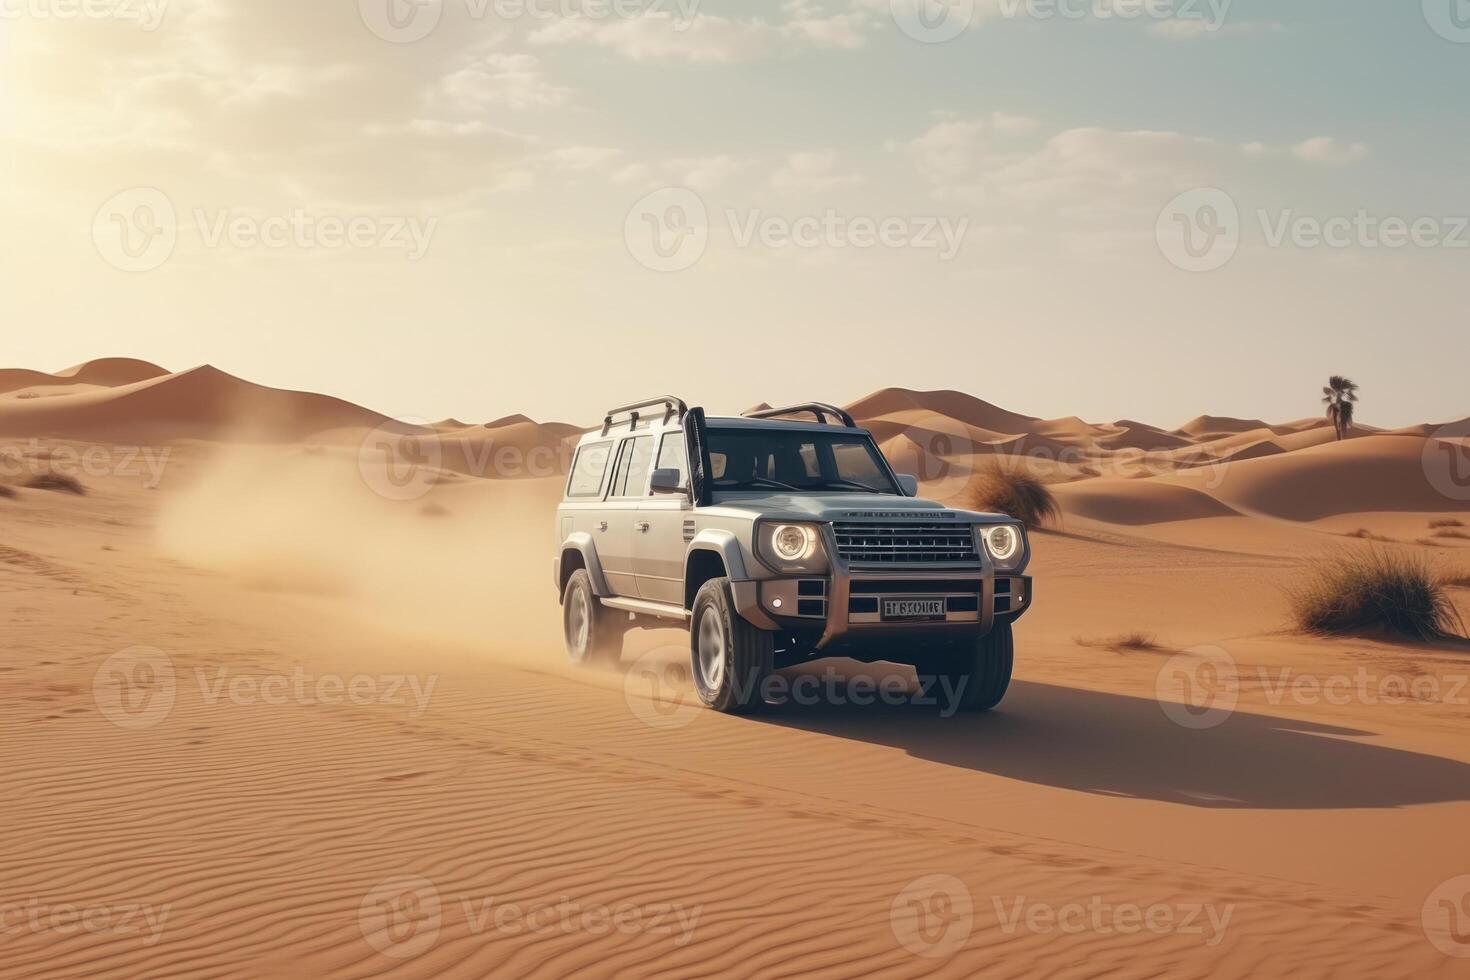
820 409
673 408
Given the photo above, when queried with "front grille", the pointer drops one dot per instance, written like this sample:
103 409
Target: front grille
905 544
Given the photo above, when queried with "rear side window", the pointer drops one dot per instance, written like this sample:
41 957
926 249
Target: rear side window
588 470
631 473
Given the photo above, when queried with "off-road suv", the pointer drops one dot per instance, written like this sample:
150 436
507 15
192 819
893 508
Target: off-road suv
777 541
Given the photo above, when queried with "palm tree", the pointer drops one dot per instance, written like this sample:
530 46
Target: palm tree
1339 396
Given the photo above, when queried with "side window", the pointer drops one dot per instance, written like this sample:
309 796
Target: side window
631 474
672 456
588 470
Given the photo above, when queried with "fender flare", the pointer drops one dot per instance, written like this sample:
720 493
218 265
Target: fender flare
726 545
581 542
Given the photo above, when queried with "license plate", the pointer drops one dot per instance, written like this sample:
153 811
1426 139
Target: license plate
916 608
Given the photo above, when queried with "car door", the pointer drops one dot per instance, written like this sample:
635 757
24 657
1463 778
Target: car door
614 534
658 533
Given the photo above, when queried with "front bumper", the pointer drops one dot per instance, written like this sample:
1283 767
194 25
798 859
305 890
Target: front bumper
848 603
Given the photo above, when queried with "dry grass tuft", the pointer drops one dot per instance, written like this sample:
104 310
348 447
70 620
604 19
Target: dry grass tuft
59 482
1016 494
1449 532
1351 592
1447 522
1137 640
1366 535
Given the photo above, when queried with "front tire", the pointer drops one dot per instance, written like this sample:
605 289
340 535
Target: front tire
592 632
971 677
730 658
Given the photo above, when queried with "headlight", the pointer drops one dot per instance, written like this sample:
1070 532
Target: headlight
793 542
1003 541
791 547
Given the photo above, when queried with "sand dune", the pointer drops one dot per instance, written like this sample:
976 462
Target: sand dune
1373 473
201 403
950 404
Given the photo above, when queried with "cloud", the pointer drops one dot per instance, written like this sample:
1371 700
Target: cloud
658 36
514 81
1329 152
813 172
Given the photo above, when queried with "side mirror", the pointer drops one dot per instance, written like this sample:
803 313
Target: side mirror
908 484
667 481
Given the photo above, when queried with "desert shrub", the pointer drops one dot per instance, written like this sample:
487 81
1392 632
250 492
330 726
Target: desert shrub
1136 640
1016 494
1450 532
59 482
1447 522
6 492
1362 591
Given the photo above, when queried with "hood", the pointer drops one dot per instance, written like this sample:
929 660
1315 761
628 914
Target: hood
839 506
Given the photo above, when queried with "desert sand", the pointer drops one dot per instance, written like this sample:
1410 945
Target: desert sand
273 707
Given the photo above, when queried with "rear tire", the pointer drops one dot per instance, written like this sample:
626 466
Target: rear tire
973 676
729 658
593 633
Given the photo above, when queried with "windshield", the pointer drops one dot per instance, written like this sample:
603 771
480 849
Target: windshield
796 460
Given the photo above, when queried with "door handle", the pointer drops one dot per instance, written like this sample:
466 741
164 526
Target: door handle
642 525
602 525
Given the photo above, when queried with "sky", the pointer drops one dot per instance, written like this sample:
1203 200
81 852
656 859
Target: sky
1141 209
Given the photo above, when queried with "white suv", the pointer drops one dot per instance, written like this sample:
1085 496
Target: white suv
777 542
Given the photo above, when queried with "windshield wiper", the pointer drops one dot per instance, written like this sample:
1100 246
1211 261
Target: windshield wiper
760 480
853 484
